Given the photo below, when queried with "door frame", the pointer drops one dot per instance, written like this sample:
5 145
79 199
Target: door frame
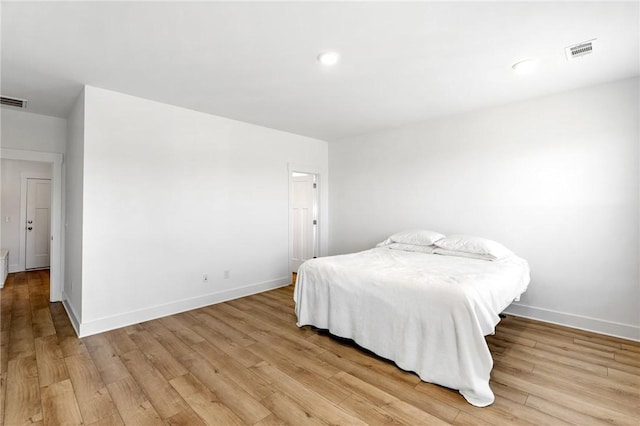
24 176
57 241
311 171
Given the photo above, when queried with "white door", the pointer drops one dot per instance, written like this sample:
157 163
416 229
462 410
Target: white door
303 219
38 226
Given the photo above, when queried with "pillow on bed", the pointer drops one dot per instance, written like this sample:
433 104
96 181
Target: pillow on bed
411 247
438 250
474 245
418 237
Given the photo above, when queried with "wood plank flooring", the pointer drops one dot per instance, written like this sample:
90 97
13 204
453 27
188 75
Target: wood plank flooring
245 362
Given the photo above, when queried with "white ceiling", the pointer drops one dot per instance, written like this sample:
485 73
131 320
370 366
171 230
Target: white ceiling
256 62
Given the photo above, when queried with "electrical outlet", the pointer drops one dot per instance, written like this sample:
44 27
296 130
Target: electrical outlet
205 278
227 274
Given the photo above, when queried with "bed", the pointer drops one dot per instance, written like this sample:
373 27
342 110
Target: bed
425 306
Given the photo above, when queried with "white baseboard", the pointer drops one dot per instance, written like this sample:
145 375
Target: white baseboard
71 313
15 267
609 328
135 317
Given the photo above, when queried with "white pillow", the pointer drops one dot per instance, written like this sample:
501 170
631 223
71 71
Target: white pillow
444 252
474 245
419 237
411 247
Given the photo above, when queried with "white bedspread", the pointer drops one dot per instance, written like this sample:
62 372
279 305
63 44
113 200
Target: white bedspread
428 313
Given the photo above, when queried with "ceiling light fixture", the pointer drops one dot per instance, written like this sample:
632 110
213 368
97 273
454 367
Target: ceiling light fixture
328 59
525 66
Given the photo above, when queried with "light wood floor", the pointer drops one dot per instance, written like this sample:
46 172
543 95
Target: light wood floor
245 362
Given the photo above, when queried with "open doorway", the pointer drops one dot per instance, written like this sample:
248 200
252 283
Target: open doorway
54 162
26 213
303 218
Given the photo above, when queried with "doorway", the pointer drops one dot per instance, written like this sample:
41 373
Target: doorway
55 159
303 219
38 224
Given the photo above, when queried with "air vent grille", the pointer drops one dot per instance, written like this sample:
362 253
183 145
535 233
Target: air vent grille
14 102
580 49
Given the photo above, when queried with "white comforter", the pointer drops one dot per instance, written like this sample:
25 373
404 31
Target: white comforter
428 313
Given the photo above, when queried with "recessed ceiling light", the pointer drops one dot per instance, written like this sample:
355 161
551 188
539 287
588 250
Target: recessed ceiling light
525 66
328 58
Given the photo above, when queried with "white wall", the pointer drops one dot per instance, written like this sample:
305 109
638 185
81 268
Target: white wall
12 172
556 179
74 168
170 194
32 132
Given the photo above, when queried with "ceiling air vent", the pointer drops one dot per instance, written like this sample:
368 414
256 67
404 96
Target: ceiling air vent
14 102
580 49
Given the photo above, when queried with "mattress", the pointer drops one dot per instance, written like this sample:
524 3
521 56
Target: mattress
428 313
